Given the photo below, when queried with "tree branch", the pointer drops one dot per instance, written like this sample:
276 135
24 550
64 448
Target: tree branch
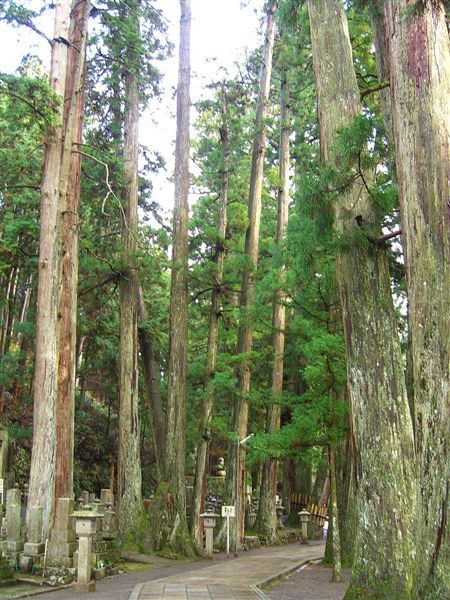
389 236
374 88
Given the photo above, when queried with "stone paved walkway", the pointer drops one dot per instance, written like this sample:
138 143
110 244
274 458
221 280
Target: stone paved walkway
234 579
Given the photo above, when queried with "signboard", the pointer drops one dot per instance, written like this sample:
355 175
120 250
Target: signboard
228 511
1 491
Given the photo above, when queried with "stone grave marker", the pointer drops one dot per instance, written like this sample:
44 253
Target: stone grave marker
14 540
34 546
62 542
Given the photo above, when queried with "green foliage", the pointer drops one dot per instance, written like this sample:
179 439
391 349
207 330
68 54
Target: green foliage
6 570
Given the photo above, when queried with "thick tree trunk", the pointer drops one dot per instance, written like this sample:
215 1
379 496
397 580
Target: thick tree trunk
420 90
266 523
178 537
239 417
129 494
42 471
152 376
382 421
70 200
213 332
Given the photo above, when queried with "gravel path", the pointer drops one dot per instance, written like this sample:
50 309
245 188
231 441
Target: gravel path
310 583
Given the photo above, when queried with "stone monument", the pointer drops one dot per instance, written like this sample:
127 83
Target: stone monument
33 550
62 544
14 539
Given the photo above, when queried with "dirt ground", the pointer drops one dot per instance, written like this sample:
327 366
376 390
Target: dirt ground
312 582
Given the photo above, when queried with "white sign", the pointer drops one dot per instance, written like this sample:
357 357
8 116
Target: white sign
228 511
1 490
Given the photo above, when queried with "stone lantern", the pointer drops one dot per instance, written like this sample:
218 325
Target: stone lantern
209 522
85 528
304 518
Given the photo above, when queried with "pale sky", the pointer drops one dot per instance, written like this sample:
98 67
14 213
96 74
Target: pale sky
221 32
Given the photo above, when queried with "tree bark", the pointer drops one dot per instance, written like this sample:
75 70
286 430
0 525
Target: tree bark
178 537
239 412
70 200
266 523
382 59
213 332
129 482
42 470
419 54
380 411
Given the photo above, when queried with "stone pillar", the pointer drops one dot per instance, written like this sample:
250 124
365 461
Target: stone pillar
85 495
209 522
34 546
109 524
106 496
85 526
304 518
62 543
13 524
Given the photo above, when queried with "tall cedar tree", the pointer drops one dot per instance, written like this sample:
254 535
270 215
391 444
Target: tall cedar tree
73 125
380 411
175 446
213 330
42 472
129 464
239 417
419 57
267 518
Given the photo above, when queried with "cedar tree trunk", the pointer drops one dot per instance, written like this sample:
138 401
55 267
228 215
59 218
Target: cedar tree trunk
178 536
70 196
381 417
42 470
129 495
419 53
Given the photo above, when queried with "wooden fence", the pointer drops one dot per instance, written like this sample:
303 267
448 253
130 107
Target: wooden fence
301 501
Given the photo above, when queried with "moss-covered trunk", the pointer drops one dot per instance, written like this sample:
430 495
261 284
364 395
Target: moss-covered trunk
419 55
381 419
